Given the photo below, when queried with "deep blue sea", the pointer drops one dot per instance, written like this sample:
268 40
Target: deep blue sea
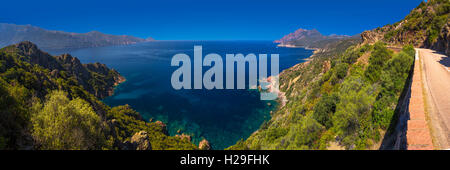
221 116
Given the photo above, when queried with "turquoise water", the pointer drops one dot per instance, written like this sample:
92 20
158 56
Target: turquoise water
221 116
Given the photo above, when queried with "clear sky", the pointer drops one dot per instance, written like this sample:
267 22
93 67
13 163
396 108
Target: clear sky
206 19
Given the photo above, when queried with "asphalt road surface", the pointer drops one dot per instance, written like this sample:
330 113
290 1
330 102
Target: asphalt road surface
436 72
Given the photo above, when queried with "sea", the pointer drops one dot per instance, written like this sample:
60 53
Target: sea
222 117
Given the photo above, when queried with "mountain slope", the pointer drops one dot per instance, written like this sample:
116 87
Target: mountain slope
52 102
312 39
50 40
346 97
427 26
95 78
301 36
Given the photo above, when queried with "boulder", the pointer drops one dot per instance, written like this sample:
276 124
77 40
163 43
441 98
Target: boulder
204 145
184 137
141 141
163 126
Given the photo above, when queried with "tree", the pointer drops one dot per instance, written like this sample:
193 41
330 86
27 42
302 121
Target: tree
393 78
376 62
13 114
324 110
341 70
305 133
64 124
356 98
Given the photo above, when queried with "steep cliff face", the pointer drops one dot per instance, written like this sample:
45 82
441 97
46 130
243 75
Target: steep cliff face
35 56
427 26
54 40
443 42
29 81
96 78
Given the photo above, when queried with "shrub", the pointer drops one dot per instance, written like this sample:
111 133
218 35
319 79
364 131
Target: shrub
64 124
324 110
376 62
341 70
305 134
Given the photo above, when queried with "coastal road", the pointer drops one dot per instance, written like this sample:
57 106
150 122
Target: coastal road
436 82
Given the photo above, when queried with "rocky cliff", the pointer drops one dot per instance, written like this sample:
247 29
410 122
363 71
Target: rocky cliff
96 78
34 84
427 26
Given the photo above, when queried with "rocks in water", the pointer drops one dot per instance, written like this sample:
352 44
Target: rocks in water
184 137
204 145
163 126
140 141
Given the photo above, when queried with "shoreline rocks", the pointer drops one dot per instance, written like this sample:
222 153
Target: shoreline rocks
204 145
184 137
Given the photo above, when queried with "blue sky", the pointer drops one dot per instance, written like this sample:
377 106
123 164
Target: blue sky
206 19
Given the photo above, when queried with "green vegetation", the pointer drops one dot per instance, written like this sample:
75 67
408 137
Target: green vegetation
65 124
379 56
347 95
49 105
126 122
13 114
325 109
350 103
425 21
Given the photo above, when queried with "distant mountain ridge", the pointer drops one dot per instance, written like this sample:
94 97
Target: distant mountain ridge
300 34
51 40
310 39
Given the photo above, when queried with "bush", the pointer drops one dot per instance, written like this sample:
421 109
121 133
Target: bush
305 134
341 70
393 80
126 122
356 98
275 133
376 62
324 110
13 114
64 124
